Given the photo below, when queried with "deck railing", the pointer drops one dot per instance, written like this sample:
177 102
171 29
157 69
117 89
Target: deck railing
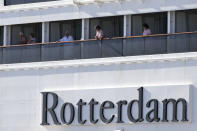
109 47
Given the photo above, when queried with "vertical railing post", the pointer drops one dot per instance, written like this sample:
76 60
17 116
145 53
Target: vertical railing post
101 48
81 50
123 42
144 45
40 52
2 56
189 37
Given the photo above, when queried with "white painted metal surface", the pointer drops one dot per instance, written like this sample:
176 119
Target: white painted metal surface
66 10
45 32
101 94
171 22
85 29
21 84
7 35
127 25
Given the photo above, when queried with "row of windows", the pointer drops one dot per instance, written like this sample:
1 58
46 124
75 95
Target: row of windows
15 2
186 21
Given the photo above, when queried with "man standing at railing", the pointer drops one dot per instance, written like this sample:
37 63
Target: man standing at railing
66 38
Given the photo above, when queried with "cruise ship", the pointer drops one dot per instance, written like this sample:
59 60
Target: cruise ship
98 65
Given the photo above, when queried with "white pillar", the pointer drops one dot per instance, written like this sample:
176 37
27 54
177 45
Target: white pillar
127 25
171 22
1 3
85 29
7 35
45 32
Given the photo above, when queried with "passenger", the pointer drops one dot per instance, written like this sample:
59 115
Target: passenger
23 39
147 30
32 39
99 33
66 38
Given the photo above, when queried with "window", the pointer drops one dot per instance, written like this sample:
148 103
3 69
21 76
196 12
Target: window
59 28
1 35
156 21
27 29
111 26
186 21
15 2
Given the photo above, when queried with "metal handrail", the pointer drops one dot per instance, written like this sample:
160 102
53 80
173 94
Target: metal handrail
75 41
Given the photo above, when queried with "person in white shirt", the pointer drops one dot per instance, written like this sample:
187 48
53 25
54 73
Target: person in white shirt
147 30
99 33
66 38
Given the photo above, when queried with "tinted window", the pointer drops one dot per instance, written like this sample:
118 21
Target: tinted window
27 29
58 29
111 26
156 21
1 35
15 2
186 21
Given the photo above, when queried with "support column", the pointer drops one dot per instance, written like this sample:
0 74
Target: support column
1 3
7 35
171 29
127 25
85 29
171 22
45 32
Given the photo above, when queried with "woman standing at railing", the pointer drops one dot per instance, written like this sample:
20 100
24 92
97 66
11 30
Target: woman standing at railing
99 33
147 30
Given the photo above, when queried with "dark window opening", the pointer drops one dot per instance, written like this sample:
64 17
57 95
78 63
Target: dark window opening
111 26
156 21
27 30
59 28
186 21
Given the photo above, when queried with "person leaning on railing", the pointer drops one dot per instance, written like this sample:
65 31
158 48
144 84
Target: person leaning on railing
66 38
99 33
147 30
